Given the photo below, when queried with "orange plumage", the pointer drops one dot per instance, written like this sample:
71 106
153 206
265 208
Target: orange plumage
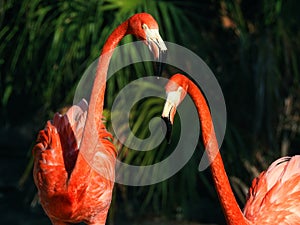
275 194
57 155
74 159
274 197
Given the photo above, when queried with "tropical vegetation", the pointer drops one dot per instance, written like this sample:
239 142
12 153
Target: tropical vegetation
252 47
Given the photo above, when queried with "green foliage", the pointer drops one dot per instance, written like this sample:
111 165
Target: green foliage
251 46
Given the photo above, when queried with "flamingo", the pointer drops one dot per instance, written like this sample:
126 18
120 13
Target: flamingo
273 198
71 186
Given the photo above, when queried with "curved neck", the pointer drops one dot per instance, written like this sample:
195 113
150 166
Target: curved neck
98 91
94 117
230 207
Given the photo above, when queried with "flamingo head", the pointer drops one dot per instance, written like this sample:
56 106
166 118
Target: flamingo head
145 27
176 90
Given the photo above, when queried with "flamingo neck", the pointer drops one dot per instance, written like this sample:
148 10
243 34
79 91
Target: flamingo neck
98 91
229 204
93 125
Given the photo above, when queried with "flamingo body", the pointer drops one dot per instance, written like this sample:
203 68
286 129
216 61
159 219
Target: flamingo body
273 198
275 194
56 155
74 158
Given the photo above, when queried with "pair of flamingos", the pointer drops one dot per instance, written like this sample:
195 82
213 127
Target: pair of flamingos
71 191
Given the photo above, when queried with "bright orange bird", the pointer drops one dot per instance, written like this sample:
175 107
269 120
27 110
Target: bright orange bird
74 159
274 197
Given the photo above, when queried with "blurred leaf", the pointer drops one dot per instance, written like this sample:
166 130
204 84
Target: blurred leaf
45 47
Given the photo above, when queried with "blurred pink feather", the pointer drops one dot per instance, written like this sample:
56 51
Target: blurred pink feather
276 191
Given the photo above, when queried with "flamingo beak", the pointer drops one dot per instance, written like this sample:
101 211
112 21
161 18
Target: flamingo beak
157 47
169 111
168 115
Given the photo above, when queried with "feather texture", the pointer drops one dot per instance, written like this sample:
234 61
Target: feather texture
274 197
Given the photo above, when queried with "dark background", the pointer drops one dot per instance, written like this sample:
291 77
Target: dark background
252 47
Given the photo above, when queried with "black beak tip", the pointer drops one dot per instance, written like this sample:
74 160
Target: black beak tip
169 128
160 63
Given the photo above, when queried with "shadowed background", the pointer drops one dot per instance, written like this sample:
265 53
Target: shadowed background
251 46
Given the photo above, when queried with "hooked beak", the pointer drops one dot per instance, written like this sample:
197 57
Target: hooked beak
169 111
157 47
168 117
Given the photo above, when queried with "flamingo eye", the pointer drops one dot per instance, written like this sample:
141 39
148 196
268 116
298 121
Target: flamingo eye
144 26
